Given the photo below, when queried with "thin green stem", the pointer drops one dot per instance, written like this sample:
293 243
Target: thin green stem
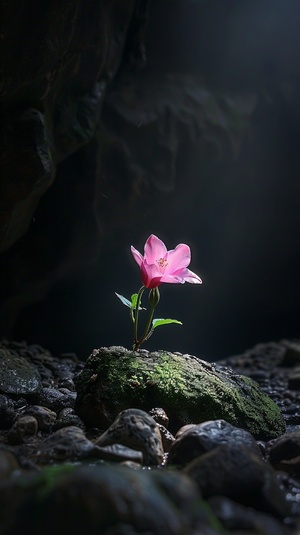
136 342
148 326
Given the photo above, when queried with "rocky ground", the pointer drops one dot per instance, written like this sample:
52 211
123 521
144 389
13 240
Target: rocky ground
60 472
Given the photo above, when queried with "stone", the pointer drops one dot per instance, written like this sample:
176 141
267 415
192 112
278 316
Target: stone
190 390
238 518
44 416
138 430
284 453
23 428
241 475
7 412
8 464
207 436
68 417
111 500
55 400
66 444
17 375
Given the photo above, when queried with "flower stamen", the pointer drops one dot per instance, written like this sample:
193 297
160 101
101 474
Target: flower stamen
162 263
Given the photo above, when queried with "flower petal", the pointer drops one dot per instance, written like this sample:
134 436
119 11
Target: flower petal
188 276
137 256
154 249
172 279
178 258
151 275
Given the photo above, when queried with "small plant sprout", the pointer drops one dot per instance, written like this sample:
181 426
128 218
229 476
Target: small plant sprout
157 266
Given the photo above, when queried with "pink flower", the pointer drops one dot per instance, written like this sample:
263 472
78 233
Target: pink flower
159 265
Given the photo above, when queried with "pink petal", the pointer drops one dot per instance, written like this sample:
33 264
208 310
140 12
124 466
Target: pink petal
137 256
151 275
178 258
154 249
172 279
189 276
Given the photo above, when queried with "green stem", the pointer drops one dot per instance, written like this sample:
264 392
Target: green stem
136 342
148 326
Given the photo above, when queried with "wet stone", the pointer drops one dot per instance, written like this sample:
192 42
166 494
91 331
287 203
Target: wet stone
7 412
66 444
44 416
284 453
17 375
167 438
138 430
8 464
68 417
55 400
206 436
160 416
238 473
240 519
23 428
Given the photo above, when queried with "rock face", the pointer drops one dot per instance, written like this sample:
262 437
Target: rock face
189 390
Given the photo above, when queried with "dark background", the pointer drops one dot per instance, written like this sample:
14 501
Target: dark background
223 178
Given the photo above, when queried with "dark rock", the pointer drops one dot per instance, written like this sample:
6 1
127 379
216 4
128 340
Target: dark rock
239 474
66 444
17 375
160 416
23 429
284 453
189 389
7 412
110 500
55 400
68 417
8 464
138 430
44 416
240 519
207 436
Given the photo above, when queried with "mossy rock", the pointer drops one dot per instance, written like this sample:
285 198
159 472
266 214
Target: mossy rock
190 390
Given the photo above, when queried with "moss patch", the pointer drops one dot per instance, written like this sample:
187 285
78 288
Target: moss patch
187 388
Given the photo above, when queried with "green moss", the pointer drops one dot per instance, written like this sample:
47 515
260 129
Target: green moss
188 389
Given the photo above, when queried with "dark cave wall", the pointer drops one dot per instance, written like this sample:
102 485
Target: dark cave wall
200 146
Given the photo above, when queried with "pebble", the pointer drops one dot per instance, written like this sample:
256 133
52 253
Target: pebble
44 416
198 439
138 430
66 444
55 400
68 417
241 475
284 453
23 428
17 375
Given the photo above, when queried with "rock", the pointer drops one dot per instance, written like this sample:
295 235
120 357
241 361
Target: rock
284 453
24 427
8 464
240 519
55 400
7 412
111 500
66 444
138 430
44 416
17 375
160 416
189 389
207 436
68 417
238 473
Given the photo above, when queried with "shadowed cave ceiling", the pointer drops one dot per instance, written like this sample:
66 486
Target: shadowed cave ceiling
119 119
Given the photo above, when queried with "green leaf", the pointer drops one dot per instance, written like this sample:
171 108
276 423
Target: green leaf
161 321
130 304
125 301
133 302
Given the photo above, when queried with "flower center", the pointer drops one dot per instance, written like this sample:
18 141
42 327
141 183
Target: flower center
162 263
